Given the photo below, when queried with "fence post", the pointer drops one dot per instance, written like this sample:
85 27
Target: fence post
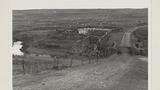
57 63
30 64
23 66
38 66
71 62
89 59
96 56
82 62
105 52
108 52
54 63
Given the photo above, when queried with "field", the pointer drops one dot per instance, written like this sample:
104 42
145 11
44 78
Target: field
54 32
38 27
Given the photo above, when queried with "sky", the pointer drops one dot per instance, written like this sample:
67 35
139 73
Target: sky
77 4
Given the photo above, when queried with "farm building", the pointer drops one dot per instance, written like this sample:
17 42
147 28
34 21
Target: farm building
87 30
83 31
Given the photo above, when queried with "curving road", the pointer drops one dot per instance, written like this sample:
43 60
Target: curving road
126 37
114 73
118 72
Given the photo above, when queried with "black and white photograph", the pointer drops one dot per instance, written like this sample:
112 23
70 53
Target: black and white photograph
80 44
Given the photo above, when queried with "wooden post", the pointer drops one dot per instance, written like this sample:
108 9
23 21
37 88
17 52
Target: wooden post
38 66
89 60
139 49
90 57
31 68
57 63
139 52
71 62
105 52
54 63
82 62
23 66
97 56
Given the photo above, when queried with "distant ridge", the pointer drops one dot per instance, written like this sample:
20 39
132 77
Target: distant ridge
83 9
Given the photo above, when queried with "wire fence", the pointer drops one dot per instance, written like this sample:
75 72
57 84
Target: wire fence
30 65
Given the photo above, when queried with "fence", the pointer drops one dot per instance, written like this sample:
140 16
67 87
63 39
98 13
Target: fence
36 66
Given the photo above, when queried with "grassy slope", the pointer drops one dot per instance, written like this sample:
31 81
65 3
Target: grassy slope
47 19
118 72
42 23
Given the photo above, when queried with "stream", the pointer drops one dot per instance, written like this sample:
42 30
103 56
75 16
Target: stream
16 48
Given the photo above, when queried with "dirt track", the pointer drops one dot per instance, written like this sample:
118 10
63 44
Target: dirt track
106 74
126 37
118 72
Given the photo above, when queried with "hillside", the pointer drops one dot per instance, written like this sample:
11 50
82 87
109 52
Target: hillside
37 28
118 72
55 18
81 49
